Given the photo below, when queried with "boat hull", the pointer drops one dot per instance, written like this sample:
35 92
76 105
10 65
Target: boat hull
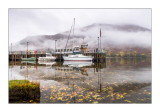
46 59
47 62
28 59
77 58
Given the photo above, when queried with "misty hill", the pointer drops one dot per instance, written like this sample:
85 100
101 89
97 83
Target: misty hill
113 37
125 28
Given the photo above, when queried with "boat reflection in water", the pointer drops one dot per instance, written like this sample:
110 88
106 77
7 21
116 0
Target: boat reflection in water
78 66
31 62
28 65
47 63
78 63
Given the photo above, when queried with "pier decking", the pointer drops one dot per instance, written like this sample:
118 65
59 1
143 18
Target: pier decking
98 57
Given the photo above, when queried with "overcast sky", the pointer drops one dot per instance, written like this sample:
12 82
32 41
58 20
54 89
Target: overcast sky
28 22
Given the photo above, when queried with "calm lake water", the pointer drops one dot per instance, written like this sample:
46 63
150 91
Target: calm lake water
118 80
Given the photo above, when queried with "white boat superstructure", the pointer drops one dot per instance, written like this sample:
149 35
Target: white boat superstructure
77 51
77 57
48 57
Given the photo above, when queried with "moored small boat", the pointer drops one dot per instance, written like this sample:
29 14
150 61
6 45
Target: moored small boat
29 59
48 57
77 57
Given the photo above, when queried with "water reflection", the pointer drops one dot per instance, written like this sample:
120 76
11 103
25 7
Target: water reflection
118 80
47 63
78 63
32 62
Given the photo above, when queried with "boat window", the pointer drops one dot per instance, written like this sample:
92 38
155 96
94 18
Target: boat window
77 48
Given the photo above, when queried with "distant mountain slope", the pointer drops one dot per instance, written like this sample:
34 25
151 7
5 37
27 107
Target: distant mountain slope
113 36
125 28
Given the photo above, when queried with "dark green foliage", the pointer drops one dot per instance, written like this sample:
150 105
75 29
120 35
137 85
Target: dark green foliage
22 91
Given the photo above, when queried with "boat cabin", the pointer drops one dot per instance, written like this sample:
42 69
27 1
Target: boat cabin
84 48
48 55
76 49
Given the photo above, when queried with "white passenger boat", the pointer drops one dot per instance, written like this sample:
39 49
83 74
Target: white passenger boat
77 51
48 57
77 57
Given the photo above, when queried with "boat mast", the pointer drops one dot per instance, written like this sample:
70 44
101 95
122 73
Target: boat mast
55 46
98 44
70 34
68 39
11 48
100 40
27 50
73 32
73 26
83 40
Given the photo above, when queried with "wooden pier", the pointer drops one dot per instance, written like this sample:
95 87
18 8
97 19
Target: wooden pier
98 57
